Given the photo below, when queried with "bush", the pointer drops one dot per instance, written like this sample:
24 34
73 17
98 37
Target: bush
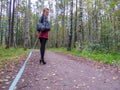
97 47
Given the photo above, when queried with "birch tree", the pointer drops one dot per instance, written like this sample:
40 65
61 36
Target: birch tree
71 26
80 32
27 43
8 24
1 31
56 33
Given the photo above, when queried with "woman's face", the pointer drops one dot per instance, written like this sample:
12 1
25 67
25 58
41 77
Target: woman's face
46 13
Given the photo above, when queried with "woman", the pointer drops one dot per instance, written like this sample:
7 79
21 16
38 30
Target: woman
43 36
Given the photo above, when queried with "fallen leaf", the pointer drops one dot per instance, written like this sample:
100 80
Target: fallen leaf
114 78
2 72
37 79
88 86
101 70
107 80
15 88
13 77
23 80
48 87
3 87
84 84
55 71
31 73
74 80
53 74
44 78
93 77
7 82
75 86
81 71
54 81
49 66
54 65
8 77
30 81
1 80
61 79
80 85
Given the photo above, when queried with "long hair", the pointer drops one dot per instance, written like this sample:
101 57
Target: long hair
43 14
45 10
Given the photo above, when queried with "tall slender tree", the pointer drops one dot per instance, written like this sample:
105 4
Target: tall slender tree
1 6
81 36
8 26
15 29
71 26
27 43
12 22
75 26
56 37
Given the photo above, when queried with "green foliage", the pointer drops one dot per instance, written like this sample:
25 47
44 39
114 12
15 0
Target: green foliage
9 54
112 4
117 13
107 58
96 47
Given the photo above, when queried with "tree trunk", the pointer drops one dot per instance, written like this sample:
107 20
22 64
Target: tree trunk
1 31
63 23
71 26
8 13
81 36
96 22
15 24
75 31
27 43
10 8
12 22
51 21
56 37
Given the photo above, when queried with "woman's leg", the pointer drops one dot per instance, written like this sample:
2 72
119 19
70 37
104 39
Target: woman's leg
42 48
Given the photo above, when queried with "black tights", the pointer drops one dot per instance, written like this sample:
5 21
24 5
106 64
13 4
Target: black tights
42 47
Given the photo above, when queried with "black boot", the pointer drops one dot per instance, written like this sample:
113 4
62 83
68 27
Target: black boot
42 61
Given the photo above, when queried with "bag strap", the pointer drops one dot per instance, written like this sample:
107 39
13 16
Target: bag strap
44 20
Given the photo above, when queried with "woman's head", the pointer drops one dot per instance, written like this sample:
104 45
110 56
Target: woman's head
46 12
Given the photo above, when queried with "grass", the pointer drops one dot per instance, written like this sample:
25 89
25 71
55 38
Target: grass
108 58
11 54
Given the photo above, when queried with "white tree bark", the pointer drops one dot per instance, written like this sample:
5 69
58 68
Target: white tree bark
56 37
80 35
27 43
71 26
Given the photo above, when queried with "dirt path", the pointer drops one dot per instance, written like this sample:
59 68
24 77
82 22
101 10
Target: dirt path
66 72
